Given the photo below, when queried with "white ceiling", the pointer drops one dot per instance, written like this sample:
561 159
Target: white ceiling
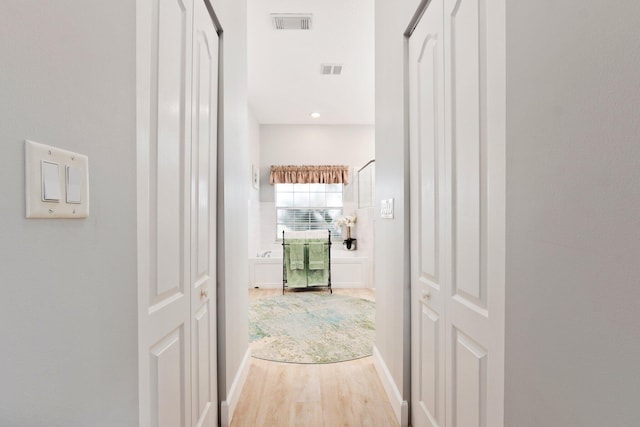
285 84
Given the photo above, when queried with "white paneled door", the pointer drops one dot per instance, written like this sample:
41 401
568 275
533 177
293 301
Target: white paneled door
456 60
429 243
177 60
203 218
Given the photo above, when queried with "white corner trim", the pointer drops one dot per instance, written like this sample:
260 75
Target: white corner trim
400 407
404 414
228 407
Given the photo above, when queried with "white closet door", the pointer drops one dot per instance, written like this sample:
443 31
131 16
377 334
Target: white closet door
457 114
203 218
429 275
474 132
164 47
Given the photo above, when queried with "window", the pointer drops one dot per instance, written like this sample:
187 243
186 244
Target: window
301 207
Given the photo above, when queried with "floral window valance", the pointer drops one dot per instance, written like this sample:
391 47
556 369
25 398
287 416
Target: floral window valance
309 175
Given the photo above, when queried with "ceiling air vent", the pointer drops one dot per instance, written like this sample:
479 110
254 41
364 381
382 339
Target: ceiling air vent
331 69
291 21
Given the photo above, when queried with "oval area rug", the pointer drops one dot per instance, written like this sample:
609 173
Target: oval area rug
305 327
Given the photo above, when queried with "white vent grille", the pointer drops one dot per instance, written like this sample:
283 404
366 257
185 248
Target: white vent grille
331 69
291 21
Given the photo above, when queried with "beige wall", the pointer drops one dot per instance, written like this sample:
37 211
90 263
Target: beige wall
573 206
68 310
392 181
233 193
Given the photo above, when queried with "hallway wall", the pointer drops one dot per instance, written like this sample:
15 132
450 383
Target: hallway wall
392 181
68 311
254 193
233 194
573 206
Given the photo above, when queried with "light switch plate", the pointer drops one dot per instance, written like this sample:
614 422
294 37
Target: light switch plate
41 161
386 209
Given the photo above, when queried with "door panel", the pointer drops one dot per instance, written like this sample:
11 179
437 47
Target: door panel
430 357
470 386
203 217
428 250
468 146
167 361
169 148
428 167
202 362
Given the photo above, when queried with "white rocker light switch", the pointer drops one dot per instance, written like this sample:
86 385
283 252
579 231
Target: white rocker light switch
50 182
74 185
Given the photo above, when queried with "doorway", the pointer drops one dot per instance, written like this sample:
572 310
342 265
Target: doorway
311 104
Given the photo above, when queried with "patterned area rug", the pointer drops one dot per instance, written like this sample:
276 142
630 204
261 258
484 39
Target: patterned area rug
306 327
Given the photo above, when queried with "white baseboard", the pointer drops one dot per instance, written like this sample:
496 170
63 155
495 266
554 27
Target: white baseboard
400 407
228 407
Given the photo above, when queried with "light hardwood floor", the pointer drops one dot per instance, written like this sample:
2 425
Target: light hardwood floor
328 395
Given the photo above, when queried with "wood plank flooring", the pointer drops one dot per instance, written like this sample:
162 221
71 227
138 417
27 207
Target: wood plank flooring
328 395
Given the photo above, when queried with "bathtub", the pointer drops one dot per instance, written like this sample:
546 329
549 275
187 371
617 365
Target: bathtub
348 270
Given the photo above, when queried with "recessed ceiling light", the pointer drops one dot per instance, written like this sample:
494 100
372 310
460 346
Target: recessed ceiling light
315 115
